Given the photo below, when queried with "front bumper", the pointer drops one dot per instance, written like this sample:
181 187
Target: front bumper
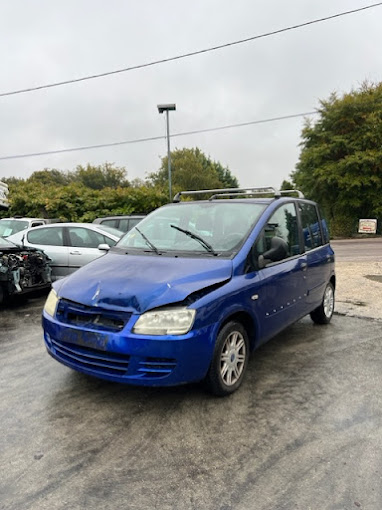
128 358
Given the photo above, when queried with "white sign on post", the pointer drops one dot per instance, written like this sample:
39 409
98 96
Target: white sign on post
367 226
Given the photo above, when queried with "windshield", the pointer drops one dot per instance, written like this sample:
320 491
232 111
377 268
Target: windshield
209 227
9 227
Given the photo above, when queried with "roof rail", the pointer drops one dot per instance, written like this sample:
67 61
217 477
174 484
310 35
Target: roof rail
232 192
289 191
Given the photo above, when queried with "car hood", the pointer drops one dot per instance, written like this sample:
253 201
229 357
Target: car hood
139 283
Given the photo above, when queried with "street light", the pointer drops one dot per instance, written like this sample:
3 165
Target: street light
167 108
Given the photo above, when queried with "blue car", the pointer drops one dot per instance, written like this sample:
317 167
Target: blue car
191 290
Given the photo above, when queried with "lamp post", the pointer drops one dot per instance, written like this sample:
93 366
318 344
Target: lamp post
166 108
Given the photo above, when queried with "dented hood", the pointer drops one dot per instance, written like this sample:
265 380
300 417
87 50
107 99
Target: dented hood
139 283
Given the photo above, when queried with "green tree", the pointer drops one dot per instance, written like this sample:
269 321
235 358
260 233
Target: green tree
286 185
99 177
76 202
192 170
224 173
51 177
71 196
340 163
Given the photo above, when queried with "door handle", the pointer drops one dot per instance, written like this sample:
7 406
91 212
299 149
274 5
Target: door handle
303 266
75 253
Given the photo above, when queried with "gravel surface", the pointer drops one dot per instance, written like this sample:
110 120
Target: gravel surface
359 289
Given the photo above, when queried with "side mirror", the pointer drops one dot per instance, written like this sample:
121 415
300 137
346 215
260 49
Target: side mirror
278 251
104 247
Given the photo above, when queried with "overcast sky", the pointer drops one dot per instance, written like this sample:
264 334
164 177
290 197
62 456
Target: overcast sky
47 41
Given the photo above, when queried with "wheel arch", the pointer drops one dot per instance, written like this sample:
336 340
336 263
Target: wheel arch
248 323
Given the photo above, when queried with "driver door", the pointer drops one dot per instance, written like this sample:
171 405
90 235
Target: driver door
283 279
83 246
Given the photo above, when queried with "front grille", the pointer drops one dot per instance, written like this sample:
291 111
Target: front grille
103 362
75 314
156 367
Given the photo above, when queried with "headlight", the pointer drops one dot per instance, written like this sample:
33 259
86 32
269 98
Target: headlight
51 303
169 321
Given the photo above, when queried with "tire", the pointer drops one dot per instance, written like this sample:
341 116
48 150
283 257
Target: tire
324 313
229 361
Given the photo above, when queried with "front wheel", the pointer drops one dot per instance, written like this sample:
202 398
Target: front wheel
324 312
230 359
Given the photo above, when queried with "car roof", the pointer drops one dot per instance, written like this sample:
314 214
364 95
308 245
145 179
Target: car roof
67 224
23 218
120 216
242 201
90 226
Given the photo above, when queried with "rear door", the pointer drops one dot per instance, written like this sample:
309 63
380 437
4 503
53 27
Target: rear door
319 255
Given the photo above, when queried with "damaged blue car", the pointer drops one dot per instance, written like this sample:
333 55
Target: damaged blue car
191 290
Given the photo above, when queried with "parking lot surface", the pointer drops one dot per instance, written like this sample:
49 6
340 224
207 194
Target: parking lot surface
304 431
359 277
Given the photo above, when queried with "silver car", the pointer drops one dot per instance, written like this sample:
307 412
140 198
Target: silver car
68 245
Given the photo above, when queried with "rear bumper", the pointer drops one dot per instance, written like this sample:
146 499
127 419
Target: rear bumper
133 359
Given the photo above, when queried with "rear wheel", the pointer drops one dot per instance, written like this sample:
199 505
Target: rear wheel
230 359
324 313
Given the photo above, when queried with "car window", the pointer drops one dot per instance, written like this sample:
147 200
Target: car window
279 239
110 223
325 229
133 222
310 226
85 238
48 236
124 224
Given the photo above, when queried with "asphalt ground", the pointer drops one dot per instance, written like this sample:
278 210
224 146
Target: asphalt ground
303 432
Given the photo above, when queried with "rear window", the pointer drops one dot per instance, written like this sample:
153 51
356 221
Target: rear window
324 226
110 223
310 226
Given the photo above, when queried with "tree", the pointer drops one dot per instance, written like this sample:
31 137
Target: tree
224 174
75 202
340 163
286 185
192 170
99 177
51 177
80 195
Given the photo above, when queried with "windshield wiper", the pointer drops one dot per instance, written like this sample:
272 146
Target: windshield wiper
204 243
148 242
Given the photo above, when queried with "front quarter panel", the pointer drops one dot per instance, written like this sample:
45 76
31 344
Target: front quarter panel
242 294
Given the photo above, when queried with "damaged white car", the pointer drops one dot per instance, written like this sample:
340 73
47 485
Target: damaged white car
22 270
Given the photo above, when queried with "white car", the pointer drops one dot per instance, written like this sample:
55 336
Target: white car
68 245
